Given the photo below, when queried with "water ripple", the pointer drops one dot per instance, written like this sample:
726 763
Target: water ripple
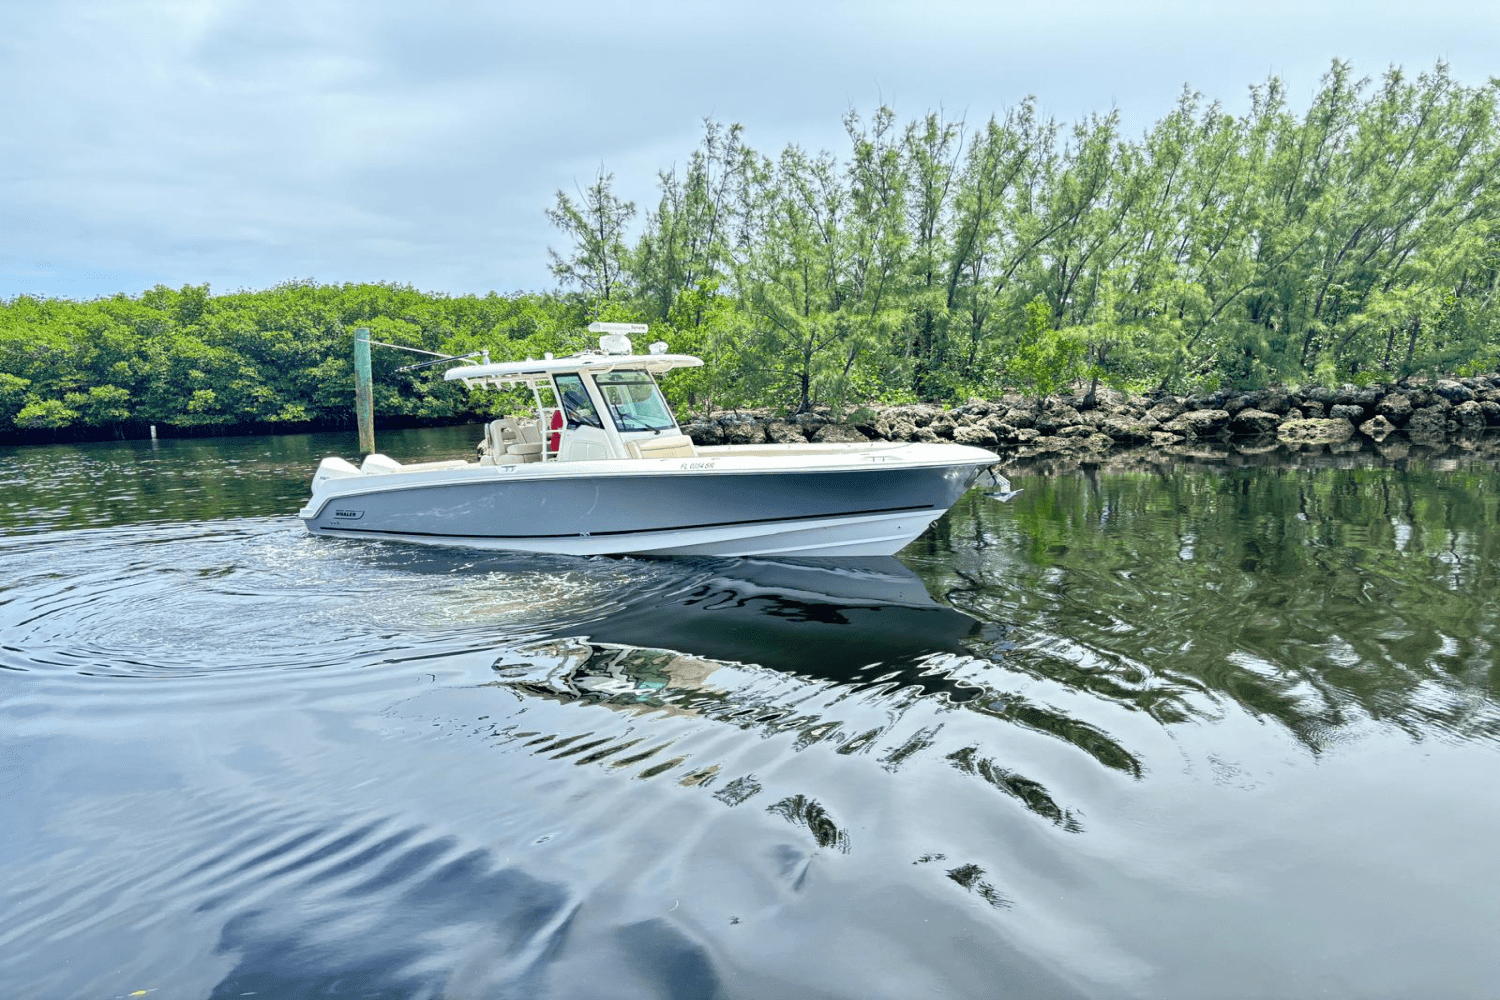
1077 731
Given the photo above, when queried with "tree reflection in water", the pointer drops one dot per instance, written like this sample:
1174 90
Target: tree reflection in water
1315 597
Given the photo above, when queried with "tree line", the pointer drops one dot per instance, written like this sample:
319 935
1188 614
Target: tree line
279 358
1355 240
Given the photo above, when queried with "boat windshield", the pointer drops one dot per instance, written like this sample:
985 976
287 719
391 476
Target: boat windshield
575 402
635 401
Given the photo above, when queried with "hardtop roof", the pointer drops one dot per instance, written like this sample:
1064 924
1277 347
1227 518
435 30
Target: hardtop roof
532 371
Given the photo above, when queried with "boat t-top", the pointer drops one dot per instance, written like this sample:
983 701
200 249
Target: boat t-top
604 469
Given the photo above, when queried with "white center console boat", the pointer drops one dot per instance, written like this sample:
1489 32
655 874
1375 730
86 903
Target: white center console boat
604 469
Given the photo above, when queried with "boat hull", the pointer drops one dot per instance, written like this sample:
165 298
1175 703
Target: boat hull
673 507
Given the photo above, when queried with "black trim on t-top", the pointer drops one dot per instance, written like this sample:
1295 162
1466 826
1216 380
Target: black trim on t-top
632 531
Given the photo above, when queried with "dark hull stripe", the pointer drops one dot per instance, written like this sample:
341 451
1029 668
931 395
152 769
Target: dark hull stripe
632 531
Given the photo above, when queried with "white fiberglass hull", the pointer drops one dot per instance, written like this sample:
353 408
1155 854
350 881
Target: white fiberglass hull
787 501
870 535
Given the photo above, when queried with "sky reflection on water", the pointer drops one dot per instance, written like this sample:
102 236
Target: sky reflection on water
1181 733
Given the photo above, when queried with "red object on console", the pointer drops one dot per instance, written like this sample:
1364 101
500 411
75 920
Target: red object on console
554 440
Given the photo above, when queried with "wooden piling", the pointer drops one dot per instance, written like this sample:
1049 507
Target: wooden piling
364 396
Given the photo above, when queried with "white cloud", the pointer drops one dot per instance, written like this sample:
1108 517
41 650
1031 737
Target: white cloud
247 143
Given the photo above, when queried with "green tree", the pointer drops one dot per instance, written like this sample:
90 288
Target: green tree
596 226
1048 359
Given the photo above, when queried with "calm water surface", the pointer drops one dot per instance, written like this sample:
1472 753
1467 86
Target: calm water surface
1187 732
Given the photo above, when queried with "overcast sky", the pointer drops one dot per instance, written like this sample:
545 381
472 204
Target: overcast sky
245 144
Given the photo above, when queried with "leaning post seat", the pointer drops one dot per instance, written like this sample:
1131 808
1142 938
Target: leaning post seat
498 435
527 451
508 441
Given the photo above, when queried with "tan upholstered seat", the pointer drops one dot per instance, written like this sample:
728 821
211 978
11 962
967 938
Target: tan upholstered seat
662 446
527 451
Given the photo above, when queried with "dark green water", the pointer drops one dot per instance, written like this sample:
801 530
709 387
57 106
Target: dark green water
1195 731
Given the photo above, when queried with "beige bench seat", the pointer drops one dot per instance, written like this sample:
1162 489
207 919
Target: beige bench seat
662 446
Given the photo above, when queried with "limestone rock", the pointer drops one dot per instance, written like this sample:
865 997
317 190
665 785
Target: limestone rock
1198 423
1054 417
741 428
1018 435
1125 429
1273 401
1043 445
922 414
1104 398
1377 428
1428 424
1166 410
837 434
903 430
976 435
1419 397
810 421
1396 408
977 408
1453 392
781 432
1470 415
1096 442
1250 422
704 432
1350 412
1017 417
1324 431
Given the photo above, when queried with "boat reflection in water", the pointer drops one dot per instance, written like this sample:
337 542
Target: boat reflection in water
858 622
700 656
831 618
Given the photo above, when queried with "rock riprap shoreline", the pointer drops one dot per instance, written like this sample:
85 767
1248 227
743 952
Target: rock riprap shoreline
1426 412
